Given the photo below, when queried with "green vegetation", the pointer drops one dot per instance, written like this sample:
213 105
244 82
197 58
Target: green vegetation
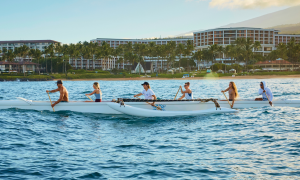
55 58
92 75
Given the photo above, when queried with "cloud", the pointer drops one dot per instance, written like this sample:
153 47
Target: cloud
251 4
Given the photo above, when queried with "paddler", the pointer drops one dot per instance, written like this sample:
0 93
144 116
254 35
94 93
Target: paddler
147 92
97 91
264 90
64 95
232 92
188 94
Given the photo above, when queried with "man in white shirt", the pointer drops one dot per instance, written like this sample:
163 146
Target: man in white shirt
265 92
147 92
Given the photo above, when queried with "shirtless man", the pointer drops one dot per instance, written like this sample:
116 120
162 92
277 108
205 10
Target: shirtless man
64 96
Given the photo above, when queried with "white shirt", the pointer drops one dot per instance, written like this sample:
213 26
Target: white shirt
148 94
268 92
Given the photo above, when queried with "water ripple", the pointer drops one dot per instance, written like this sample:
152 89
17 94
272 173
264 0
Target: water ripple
256 143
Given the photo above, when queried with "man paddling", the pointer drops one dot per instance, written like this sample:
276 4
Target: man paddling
264 90
147 92
64 95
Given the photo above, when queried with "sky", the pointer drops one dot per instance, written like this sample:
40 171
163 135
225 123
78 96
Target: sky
71 21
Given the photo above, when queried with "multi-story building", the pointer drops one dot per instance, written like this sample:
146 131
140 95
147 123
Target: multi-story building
113 62
24 64
32 44
268 38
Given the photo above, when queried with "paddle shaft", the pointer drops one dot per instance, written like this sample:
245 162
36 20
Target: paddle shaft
177 93
89 97
227 99
268 98
50 101
152 105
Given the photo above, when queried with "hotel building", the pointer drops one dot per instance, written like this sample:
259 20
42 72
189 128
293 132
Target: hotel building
32 44
268 38
111 63
26 64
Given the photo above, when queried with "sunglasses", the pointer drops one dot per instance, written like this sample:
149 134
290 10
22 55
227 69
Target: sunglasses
261 85
185 85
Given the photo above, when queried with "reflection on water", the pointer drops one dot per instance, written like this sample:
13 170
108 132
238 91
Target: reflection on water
255 143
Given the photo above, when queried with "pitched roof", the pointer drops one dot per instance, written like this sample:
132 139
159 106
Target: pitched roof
273 62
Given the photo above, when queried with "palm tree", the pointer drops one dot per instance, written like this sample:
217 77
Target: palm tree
106 53
180 50
93 48
50 51
213 51
24 52
37 55
152 50
198 55
188 50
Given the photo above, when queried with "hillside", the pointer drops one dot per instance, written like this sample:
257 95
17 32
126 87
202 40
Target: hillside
288 28
287 16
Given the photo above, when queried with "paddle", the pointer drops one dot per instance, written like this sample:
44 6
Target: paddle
177 92
268 99
152 105
50 101
89 97
227 99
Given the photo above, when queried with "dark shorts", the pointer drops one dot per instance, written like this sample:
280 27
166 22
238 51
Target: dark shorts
98 100
230 99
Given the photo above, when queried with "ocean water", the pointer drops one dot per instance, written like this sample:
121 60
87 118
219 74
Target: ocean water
255 143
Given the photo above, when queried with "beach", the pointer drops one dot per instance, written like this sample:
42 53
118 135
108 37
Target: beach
185 79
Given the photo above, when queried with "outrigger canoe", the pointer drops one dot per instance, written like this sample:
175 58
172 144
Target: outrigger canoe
135 106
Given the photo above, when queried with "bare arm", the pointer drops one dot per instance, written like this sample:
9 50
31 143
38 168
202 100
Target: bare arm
91 93
61 97
225 90
154 99
181 97
52 91
137 95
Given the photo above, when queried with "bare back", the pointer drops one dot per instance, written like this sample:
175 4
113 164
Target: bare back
64 95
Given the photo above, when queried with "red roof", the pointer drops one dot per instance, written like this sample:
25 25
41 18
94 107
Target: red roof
273 62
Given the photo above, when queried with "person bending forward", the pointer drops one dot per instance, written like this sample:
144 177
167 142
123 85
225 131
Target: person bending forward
64 95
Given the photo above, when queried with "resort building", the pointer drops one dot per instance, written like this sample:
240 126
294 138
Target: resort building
114 43
268 38
115 62
277 65
32 44
19 67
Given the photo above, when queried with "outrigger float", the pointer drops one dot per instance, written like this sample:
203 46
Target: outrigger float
141 107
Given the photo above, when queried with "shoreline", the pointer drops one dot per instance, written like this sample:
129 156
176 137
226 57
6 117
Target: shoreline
194 78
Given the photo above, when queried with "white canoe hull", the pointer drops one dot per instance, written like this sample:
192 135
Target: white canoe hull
134 111
104 108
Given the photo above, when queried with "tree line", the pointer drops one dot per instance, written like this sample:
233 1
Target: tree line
242 50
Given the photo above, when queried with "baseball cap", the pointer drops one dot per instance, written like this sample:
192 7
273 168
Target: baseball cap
59 82
145 83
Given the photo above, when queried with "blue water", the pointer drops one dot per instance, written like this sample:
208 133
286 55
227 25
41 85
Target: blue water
255 143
